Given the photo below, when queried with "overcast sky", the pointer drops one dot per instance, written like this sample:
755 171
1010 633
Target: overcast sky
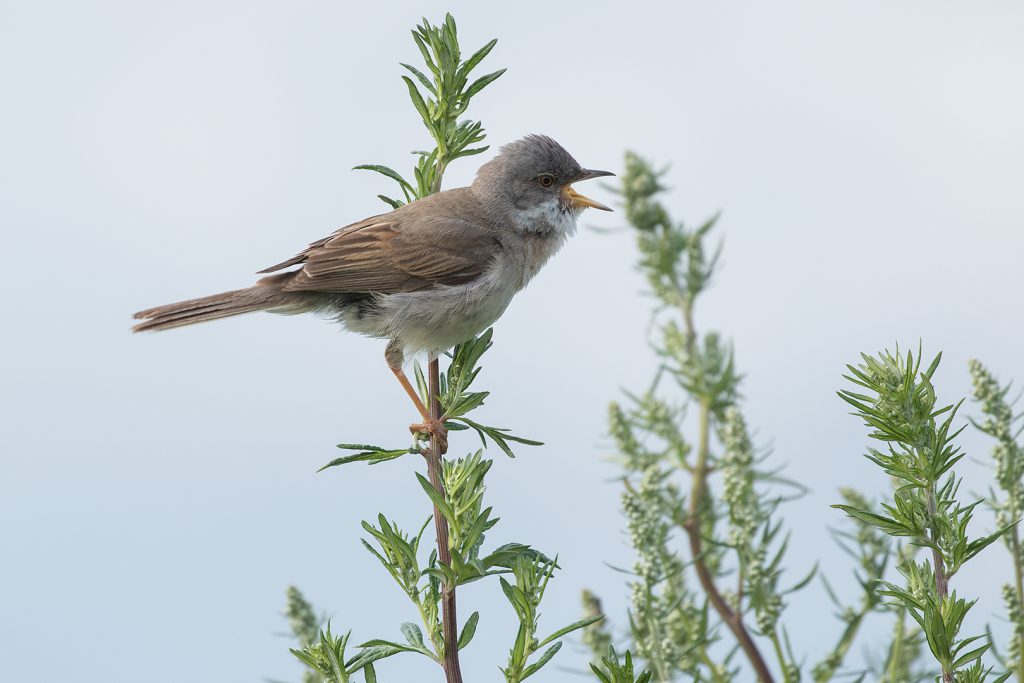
158 492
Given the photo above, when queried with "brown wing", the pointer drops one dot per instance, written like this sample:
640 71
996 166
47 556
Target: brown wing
377 255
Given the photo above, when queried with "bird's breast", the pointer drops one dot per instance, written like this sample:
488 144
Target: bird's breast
518 263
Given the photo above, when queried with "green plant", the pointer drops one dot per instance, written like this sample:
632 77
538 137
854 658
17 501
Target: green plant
728 583
713 608
1008 454
900 407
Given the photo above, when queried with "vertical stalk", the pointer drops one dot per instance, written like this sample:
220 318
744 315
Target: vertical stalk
896 651
435 473
732 619
1018 573
449 619
941 580
846 640
1019 576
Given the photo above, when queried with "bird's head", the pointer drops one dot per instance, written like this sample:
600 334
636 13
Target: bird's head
534 175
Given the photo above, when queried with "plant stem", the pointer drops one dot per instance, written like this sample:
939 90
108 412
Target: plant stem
941 580
1019 575
732 619
896 651
449 619
660 666
716 676
442 164
845 642
779 654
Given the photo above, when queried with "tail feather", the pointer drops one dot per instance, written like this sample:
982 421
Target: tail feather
224 305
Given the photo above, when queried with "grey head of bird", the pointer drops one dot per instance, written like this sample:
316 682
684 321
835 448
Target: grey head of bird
532 179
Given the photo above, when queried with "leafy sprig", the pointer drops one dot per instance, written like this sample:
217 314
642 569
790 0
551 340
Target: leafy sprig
920 451
445 95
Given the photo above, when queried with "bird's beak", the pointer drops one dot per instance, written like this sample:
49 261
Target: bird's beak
579 201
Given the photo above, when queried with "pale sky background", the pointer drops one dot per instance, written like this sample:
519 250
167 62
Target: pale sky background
158 492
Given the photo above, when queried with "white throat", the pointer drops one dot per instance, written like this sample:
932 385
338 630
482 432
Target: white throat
546 216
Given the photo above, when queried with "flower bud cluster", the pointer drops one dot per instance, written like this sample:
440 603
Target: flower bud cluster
737 468
662 608
639 184
1015 615
595 636
998 423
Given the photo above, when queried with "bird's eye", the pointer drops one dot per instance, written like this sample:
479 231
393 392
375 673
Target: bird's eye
546 180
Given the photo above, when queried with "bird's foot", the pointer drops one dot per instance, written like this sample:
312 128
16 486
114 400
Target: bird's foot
434 428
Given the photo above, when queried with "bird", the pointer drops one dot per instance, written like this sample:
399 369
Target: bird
428 275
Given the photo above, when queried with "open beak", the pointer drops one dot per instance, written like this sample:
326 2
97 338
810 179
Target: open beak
577 200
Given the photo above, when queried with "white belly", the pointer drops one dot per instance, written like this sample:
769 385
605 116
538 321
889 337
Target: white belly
437 319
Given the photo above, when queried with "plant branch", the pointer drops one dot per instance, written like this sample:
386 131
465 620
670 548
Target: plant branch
941 579
449 619
896 650
435 472
1019 576
731 618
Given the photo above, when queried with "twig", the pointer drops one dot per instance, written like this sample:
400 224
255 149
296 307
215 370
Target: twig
731 618
1019 576
449 619
941 579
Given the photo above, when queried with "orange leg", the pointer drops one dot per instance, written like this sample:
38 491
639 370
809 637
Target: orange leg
429 425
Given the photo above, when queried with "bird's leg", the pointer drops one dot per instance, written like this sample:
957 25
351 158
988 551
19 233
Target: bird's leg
394 357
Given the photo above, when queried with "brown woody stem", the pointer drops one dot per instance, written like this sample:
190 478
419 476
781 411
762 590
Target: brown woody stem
732 618
449 619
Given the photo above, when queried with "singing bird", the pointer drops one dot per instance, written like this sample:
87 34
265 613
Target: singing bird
429 275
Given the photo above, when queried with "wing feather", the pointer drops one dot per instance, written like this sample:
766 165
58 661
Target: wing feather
379 256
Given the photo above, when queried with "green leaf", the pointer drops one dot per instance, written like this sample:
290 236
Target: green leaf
601 676
393 203
386 171
506 555
435 496
413 634
890 526
544 659
373 457
970 657
469 630
477 57
582 623
481 83
517 598
976 546
417 101
373 651
421 78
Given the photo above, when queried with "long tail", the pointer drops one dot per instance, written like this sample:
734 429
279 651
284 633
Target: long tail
225 305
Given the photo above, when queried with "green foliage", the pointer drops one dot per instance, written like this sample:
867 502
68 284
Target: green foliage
596 636
525 595
445 95
457 400
730 518
326 657
699 610
871 550
999 422
920 451
614 670
304 625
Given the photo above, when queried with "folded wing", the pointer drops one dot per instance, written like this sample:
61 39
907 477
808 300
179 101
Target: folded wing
379 256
